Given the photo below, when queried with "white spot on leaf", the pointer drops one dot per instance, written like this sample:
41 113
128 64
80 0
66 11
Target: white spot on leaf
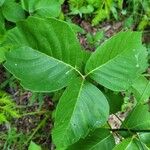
137 59
137 65
97 123
67 72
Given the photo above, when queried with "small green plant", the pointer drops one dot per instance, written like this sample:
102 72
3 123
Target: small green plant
34 146
95 39
99 9
12 11
7 108
139 14
12 139
46 57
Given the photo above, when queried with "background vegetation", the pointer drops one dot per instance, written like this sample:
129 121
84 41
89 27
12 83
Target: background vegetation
27 118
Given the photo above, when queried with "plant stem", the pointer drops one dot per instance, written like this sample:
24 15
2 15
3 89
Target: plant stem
41 124
123 123
131 130
33 113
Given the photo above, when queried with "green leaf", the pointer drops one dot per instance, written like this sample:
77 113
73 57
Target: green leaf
2 25
143 23
61 1
131 144
81 108
50 36
129 22
86 55
34 146
38 71
2 2
99 36
52 61
141 89
46 8
100 139
2 54
101 14
120 4
2 118
86 9
118 61
12 11
114 12
139 118
115 101
76 28
145 138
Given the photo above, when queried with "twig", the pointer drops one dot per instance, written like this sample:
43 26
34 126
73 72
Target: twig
41 124
33 113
